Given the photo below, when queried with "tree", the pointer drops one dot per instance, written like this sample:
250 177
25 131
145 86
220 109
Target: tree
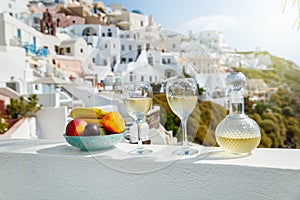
260 108
271 130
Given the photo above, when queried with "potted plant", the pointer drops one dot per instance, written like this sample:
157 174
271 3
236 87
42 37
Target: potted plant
19 108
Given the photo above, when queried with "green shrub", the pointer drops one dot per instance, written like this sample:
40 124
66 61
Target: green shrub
22 108
3 125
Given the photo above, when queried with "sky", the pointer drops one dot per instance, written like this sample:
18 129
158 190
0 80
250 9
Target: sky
246 24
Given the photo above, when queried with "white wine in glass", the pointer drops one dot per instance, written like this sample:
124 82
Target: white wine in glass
182 97
137 99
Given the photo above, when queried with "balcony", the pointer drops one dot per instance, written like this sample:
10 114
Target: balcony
51 169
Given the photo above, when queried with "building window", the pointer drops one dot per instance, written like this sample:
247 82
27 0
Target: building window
62 51
20 35
105 46
123 47
73 21
114 62
122 36
36 20
127 36
104 62
168 74
13 85
109 34
150 78
147 46
34 41
142 23
103 34
130 47
130 76
169 60
139 49
114 45
94 60
150 61
81 50
56 48
174 46
123 60
68 50
142 78
130 59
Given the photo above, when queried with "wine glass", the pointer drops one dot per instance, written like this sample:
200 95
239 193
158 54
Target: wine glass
182 97
137 99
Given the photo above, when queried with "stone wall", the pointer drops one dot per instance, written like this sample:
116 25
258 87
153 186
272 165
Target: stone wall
153 118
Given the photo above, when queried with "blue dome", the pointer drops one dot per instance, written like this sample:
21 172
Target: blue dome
137 12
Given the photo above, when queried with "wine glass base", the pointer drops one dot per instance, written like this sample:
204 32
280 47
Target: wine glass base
185 151
140 152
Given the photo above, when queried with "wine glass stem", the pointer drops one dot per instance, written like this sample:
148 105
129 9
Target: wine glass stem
184 131
140 142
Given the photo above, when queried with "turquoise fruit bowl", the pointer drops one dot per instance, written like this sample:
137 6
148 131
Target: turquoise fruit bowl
94 143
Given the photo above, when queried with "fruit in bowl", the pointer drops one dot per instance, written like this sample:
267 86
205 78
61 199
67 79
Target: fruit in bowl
113 122
94 143
94 129
91 130
76 127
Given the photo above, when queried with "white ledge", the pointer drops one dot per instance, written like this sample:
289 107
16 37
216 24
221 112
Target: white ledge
47 169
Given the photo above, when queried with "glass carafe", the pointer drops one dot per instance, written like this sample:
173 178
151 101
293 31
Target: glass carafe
237 133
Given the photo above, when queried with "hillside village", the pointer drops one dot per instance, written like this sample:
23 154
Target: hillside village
91 47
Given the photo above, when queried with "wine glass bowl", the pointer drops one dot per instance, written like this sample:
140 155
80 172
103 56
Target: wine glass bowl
182 97
137 99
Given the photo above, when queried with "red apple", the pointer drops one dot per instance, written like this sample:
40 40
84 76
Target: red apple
76 127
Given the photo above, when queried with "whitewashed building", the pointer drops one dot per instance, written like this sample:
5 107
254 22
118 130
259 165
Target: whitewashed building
130 47
257 90
104 38
171 41
125 20
202 61
14 8
216 85
34 20
20 43
103 49
76 47
136 72
170 65
214 40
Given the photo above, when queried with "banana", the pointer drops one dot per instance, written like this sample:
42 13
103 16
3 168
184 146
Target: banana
94 113
98 122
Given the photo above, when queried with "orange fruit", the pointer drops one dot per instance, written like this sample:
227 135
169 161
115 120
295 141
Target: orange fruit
113 122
